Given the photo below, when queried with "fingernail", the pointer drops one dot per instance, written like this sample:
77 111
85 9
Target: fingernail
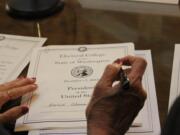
116 65
34 86
34 78
25 109
118 61
21 77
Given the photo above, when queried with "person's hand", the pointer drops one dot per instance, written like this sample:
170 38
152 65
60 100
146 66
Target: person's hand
135 73
13 90
111 109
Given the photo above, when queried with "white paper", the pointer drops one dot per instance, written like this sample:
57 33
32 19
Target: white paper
132 7
59 132
149 114
151 123
15 52
175 82
159 1
66 76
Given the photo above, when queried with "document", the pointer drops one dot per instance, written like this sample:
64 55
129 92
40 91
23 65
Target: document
66 76
139 1
175 77
149 114
159 1
131 6
15 52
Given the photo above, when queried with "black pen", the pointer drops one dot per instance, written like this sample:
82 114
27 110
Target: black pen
124 79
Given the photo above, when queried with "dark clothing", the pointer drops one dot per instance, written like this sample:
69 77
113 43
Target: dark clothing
3 130
172 124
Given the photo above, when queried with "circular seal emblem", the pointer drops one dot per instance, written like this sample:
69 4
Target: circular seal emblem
81 71
82 49
2 38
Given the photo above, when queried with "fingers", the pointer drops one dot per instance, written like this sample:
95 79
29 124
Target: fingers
135 74
105 83
3 98
16 83
110 74
127 60
13 90
20 91
137 63
13 114
16 88
138 66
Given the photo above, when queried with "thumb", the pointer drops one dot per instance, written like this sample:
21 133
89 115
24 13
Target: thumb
13 113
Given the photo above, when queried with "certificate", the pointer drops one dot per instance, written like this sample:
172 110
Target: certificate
66 76
15 52
149 114
175 77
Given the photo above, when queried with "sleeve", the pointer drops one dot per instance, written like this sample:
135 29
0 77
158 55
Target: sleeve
172 123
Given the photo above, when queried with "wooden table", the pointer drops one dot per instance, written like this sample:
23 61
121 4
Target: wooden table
79 25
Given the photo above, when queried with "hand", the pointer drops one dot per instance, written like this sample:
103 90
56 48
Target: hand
112 110
135 73
13 90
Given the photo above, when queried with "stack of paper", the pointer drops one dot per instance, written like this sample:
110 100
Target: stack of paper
15 53
175 82
131 6
159 1
66 76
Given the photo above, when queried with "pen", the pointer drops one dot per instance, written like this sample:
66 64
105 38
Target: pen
124 79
